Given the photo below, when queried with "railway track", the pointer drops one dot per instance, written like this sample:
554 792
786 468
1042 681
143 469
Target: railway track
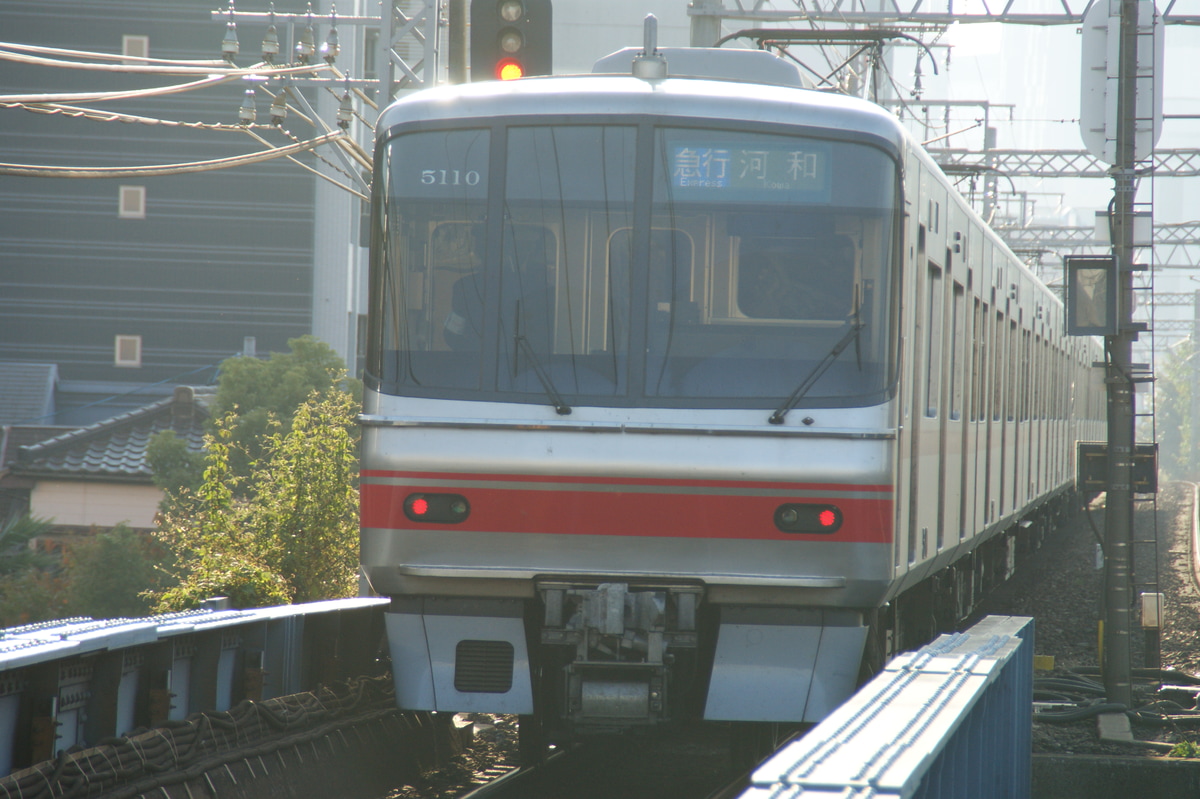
688 764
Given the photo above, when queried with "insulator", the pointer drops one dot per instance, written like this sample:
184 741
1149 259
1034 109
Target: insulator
229 45
270 45
345 112
307 44
330 49
248 113
279 108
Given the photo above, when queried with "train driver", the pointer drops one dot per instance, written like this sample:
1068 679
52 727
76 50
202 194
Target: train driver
463 325
788 284
527 283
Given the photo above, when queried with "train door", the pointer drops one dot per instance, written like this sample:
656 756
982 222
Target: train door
1021 449
1012 415
979 413
912 325
910 466
987 392
953 462
1000 425
931 452
1041 434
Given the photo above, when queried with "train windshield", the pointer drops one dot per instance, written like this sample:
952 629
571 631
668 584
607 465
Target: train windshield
632 265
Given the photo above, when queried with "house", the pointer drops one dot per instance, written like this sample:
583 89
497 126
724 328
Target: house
97 476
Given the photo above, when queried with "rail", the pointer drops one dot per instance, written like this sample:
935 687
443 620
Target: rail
951 719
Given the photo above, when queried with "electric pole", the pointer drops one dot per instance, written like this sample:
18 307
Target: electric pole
1118 539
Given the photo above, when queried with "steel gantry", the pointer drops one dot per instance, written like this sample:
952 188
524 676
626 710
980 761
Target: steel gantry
709 14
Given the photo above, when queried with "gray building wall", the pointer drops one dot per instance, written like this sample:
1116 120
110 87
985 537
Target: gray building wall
219 255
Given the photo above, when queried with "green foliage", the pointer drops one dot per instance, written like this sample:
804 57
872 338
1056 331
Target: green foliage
285 531
15 554
1175 388
30 587
1184 749
257 391
107 574
30 596
176 469
307 500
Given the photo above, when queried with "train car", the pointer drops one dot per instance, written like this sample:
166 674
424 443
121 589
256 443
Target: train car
691 394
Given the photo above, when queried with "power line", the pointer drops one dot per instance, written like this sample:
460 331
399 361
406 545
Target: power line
20 170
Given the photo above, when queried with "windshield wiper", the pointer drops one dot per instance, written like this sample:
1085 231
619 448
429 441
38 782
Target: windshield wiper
818 370
556 400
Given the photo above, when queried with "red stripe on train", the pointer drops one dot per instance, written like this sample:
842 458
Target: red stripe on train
617 513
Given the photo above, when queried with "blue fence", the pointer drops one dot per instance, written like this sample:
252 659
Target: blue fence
79 681
953 719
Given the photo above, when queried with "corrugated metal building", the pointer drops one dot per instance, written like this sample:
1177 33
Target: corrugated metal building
126 282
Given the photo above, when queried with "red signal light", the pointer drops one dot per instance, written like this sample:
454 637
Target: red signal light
509 69
827 518
420 506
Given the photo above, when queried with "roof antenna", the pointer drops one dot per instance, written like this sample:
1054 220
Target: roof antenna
649 64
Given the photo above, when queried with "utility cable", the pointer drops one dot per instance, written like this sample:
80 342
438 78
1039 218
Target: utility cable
154 67
316 172
33 48
96 115
20 170
178 88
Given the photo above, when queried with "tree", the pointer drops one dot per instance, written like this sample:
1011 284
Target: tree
286 531
1175 391
15 552
176 470
253 392
31 588
107 574
307 498
256 391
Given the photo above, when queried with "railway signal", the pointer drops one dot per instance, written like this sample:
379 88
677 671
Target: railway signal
510 39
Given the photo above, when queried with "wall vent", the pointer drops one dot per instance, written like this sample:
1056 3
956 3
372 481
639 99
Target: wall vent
135 47
132 202
127 351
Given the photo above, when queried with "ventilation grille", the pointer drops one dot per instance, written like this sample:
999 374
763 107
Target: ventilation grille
483 667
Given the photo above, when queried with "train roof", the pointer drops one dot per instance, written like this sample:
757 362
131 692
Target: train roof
678 96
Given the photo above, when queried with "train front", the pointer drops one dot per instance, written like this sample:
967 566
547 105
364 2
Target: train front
629 419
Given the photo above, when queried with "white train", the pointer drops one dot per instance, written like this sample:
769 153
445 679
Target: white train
691 394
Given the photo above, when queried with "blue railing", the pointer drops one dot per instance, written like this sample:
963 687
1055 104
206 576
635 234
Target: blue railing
953 719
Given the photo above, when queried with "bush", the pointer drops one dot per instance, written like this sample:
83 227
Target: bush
107 574
31 596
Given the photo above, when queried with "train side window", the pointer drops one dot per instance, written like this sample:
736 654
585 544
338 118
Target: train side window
997 376
957 350
933 353
979 362
1025 366
1013 357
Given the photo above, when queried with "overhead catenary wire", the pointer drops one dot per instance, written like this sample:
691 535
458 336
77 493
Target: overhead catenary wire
96 115
111 116
98 56
316 172
158 91
158 65
20 170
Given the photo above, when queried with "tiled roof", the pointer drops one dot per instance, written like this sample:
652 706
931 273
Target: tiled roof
14 437
27 393
116 448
